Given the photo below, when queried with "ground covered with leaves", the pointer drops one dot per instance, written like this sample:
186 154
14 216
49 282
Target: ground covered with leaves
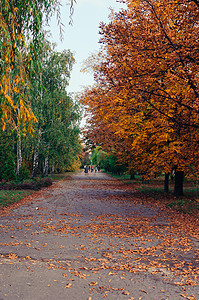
152 190
94 237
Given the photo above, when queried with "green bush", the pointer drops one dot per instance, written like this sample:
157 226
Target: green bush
24 173
31 185
9 169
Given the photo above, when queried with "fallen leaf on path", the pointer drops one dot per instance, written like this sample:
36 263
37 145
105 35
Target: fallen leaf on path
12 256
125 293
68 285
111 273
93 283
188 297
143 291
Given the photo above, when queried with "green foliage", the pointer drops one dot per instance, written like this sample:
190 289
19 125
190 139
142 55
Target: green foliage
184 205
7 163
9 169
111 164
56 135
98 157
33 82
20 32
107 161
55 138
24 173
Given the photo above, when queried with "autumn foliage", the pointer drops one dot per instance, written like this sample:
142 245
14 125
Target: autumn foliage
35 110
20 29
145 102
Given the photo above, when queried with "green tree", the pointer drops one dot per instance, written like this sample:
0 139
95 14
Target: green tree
7 155
20 29
55 142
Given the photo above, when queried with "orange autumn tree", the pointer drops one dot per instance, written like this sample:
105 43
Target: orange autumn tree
147 84
99 132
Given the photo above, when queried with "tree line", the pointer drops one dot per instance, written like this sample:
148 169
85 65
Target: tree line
144 105
39 121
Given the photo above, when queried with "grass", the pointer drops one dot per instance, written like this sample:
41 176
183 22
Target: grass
154 189
10 197
185 205
189 203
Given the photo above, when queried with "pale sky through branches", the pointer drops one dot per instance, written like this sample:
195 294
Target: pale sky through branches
82 37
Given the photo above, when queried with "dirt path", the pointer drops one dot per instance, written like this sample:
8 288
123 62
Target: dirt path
91 238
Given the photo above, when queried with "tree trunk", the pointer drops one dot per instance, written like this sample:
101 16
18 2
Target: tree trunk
19 154
132 175
53 167
36 156
45 167
35 162
178 188
166 183
144 181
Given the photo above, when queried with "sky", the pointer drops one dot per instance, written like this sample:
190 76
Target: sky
82 37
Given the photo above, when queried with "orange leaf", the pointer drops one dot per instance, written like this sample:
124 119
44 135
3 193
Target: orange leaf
68 285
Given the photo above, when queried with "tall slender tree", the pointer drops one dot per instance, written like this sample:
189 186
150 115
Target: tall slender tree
57 127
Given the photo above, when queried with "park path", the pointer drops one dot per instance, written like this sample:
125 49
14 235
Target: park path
91 237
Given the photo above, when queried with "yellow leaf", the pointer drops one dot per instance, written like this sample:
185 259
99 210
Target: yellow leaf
93 283
68 285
